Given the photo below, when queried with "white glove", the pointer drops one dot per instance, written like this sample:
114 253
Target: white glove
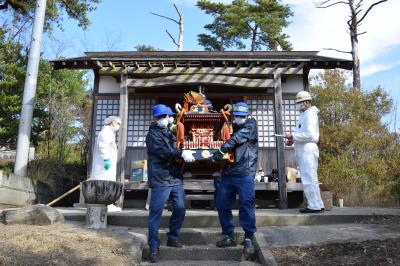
187 156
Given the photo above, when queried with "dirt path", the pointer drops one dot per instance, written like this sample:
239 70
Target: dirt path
384 252
62 244
371 252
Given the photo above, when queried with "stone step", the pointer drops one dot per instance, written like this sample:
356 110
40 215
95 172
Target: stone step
201 263
264 217
200 236
198 253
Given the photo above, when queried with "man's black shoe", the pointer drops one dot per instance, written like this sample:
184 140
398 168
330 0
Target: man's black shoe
174 244
226 242
248 246
153 257
307 210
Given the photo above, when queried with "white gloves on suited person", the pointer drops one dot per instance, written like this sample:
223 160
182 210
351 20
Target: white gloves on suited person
187 156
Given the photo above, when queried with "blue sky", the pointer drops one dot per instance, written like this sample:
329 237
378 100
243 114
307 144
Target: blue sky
123 24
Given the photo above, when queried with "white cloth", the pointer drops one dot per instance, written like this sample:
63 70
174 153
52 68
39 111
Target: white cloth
113 208
305 138
105 148
187 156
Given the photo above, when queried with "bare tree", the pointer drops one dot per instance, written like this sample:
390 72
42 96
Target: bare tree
357 16
112 39
178 44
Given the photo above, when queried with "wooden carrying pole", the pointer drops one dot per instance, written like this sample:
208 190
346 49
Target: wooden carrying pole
63 195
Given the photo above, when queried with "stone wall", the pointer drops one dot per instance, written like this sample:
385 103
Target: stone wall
20 191
9 155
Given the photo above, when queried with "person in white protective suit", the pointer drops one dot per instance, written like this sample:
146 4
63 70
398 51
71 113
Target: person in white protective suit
105 154
305 139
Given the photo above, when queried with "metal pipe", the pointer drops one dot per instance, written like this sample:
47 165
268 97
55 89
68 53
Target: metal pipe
28 101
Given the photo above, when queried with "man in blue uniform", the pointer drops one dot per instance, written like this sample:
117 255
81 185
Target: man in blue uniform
238 178
165 180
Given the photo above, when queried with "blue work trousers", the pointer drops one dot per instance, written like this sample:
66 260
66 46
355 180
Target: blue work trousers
159 196
227 189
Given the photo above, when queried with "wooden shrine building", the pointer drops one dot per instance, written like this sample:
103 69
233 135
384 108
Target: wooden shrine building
128 84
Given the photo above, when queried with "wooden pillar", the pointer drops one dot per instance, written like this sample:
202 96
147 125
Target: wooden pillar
93 124
280 145
92 133
123 134
306 71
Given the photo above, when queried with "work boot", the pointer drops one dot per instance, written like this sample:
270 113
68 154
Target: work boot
174 243
153 257
248 246
226 242
307 210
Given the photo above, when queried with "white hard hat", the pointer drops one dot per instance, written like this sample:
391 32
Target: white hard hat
111 119
303 96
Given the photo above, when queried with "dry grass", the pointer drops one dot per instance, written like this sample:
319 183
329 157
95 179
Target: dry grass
61 244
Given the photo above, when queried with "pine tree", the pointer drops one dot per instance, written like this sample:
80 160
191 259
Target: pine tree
258 22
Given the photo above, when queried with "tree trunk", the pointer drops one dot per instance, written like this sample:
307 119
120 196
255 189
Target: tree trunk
180 38
354 47
254 39
356 64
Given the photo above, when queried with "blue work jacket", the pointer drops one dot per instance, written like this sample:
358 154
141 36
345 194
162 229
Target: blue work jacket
244 145
163 169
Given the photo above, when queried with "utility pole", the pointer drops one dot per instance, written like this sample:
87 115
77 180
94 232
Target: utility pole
28 100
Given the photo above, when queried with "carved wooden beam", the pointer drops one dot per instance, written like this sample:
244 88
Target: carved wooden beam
239 70
202 79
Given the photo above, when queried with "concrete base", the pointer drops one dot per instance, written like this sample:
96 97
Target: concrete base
20 191
96 216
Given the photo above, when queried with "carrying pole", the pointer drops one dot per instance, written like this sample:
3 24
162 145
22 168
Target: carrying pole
63 195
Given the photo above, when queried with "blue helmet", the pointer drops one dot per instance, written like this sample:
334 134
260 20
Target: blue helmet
208 103
160 109
170 111
240 109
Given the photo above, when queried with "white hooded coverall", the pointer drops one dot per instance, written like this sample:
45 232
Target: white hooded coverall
105 148
305 138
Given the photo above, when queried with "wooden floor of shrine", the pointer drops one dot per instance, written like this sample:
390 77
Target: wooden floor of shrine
200 194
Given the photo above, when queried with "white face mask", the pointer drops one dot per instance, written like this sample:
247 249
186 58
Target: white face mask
163 122
301 106
114 126
171 120
239 120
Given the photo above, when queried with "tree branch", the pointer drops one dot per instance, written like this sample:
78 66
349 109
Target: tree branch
177 22
173 39
361 33
322 4
248 25
337 50
177 11
369 9
69 9
21 28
